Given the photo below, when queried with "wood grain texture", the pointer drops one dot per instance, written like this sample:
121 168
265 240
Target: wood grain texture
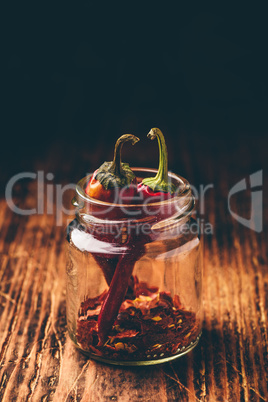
37 359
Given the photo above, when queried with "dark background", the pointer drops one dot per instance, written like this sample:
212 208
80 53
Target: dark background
88 72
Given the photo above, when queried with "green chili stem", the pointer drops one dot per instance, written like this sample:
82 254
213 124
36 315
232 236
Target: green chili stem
160 182
162 174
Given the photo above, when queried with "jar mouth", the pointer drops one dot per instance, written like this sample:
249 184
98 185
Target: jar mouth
180 183
181 204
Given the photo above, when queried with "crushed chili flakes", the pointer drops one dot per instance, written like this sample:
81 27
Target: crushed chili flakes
150 324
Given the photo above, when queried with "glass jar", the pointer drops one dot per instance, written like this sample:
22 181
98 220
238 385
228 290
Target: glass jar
134 277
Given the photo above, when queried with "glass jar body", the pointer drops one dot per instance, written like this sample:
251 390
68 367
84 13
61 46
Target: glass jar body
151 269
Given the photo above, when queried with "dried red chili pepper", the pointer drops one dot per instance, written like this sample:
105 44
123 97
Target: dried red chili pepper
158 187
120 282
112 181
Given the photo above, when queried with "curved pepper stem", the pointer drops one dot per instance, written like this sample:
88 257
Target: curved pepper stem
116 173
116 165
160 182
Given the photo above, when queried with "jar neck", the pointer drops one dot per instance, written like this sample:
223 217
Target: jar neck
90 211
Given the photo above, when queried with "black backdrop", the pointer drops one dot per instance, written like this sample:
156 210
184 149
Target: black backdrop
75 72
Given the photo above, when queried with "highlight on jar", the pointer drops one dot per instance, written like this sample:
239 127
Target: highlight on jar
134 264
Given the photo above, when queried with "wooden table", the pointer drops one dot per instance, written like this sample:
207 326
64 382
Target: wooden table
37 359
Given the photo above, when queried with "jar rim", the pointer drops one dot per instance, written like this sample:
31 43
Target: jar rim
177 207
185 192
